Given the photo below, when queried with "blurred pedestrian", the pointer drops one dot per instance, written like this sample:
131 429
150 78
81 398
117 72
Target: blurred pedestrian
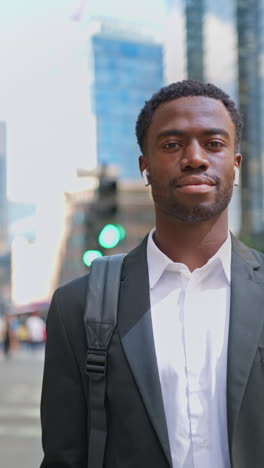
7 338
22 335
36 330
2 330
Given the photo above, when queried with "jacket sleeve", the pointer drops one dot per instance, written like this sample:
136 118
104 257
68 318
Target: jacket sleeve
63 400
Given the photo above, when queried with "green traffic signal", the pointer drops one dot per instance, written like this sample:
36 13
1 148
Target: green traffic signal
90 255
111 235
122 231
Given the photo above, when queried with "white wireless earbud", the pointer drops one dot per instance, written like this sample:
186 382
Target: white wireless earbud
236 176
145 177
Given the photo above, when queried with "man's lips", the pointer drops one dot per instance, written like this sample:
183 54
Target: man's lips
196 184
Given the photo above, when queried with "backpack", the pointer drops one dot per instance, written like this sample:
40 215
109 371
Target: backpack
100 318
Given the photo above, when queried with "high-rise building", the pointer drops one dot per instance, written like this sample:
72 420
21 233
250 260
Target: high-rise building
194 11
128 69
250 18
4 254
3 193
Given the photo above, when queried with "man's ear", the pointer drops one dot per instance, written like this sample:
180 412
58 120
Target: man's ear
143 169
238 160
142 161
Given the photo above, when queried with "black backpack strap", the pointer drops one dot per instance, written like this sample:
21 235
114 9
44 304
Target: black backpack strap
100 319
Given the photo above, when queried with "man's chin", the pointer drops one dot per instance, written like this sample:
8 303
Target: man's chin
195 214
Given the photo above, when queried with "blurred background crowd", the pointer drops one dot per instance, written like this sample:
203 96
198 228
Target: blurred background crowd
74 76
26 331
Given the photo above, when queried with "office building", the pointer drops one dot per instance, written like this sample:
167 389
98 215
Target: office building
194 12
128 69
250 19
5 259
3 192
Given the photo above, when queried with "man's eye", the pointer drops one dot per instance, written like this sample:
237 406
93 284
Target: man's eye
171 145
215 144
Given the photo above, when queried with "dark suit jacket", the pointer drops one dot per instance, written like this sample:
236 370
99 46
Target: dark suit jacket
137 432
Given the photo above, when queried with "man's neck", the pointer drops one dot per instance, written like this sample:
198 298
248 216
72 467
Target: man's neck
191 244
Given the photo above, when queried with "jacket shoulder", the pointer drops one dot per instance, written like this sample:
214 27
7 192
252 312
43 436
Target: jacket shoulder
75 290
253 257
68 304
259 256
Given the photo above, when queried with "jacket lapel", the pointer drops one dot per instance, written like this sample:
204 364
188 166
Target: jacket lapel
246 322
135 329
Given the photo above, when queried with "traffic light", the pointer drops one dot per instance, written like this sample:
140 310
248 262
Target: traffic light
111 235
90 255
101 232
107 206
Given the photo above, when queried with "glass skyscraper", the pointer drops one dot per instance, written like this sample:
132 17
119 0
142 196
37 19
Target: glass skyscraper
127 71
194 12
250 56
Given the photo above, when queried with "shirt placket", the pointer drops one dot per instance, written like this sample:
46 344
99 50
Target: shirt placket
196 386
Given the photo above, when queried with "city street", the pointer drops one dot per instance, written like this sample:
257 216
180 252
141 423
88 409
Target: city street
20 383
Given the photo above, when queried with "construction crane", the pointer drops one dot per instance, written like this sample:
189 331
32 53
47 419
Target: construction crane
77 16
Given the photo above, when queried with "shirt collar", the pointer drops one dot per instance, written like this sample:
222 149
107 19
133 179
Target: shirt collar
158 262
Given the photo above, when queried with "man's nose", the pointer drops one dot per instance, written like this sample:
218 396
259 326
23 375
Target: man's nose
194 157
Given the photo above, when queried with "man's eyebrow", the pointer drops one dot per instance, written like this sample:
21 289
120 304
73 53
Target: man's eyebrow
170 132
208 131
217 131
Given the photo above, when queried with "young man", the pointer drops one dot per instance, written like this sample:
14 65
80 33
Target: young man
185 374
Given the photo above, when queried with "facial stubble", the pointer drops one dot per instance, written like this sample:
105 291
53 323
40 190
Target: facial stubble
167 201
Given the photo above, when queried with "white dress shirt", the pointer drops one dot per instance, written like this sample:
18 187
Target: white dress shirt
190 318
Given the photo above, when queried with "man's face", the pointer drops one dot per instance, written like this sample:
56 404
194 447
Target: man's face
190 157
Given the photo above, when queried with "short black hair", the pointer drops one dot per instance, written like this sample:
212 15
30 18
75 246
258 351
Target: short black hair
180 89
